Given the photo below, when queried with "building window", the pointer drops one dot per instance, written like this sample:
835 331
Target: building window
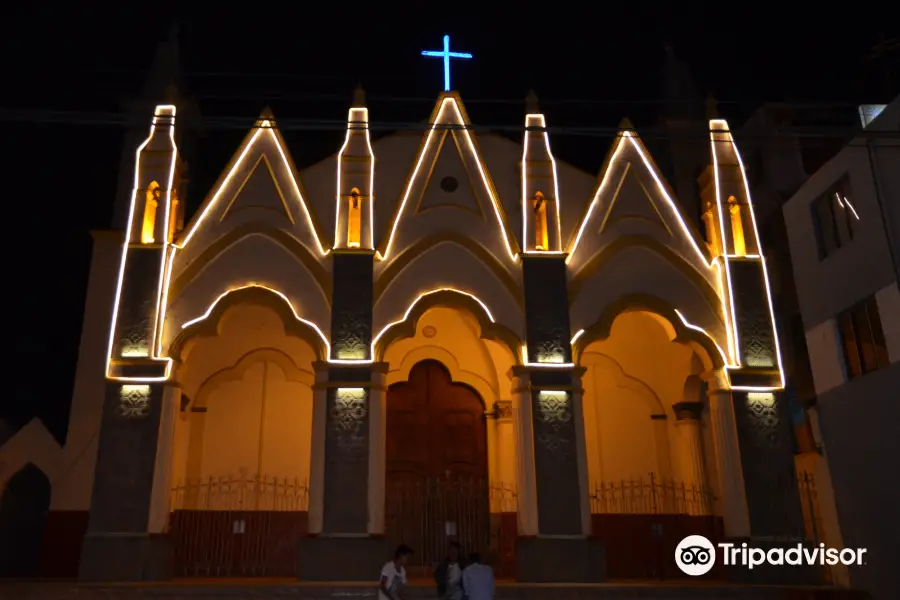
354 219
863 339
834 218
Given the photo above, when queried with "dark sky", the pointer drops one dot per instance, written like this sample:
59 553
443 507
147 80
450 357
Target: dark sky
591 63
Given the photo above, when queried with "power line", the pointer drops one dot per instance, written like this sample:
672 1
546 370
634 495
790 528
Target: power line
98 119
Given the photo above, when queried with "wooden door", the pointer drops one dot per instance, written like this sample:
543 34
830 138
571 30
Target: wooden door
437 468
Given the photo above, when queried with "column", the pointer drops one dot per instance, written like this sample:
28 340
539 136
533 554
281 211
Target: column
561 550
526 488
161 497
693 467
728 457
342 499
122 542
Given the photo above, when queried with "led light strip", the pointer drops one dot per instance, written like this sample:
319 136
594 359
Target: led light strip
162 111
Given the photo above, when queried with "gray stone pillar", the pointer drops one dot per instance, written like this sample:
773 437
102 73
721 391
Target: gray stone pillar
344 548
562 549
118 545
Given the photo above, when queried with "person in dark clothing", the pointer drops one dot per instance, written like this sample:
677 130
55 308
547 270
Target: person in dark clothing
448 574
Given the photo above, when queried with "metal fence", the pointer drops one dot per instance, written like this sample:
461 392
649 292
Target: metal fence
241 492
243 526
651 496
426 514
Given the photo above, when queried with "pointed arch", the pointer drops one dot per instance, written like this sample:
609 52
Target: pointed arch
237 371
406 327
207 325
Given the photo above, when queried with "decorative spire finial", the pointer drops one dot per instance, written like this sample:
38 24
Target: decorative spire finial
712 107
531 103
359 96
625 124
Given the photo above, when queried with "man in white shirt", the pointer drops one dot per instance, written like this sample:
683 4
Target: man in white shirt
393 576
478 579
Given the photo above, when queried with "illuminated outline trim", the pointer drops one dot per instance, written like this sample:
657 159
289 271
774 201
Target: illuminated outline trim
495 202
556 201
351 121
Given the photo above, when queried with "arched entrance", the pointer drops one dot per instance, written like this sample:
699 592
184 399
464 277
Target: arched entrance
436 464
23 511
241 458
650 453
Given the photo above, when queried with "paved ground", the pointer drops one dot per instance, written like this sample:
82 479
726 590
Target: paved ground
246 590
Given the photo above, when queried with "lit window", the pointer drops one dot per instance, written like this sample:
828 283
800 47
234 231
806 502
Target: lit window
354 219
148 228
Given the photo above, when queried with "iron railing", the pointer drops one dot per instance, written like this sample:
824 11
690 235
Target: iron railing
426 514
651 496
242 492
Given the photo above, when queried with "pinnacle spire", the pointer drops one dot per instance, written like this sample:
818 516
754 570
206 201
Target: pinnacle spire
712 107
359 96
531 103
625 124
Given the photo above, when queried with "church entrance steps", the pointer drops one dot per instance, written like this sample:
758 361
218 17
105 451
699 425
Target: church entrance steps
242 589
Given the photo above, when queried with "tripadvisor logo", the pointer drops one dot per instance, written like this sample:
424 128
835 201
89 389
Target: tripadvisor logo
695 555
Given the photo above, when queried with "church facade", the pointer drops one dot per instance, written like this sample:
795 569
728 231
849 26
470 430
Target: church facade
424 338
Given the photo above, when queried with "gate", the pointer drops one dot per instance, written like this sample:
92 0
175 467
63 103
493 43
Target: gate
641 523
427 514
238 526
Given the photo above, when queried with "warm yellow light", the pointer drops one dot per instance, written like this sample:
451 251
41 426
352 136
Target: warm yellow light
287 301
737 227
151 201
576 336
541 238
166 111
538 120
265 127
451 102
424 295
354 219
543 365
354 117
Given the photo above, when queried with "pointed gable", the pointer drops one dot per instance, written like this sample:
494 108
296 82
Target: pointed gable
633 204
449 189
254 228
441 191
259 190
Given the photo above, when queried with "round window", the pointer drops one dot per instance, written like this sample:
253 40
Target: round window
449 184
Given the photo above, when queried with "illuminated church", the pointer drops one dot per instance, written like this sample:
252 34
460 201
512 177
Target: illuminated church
419 339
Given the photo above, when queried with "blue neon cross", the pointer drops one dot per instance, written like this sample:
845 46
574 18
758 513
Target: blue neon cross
446 55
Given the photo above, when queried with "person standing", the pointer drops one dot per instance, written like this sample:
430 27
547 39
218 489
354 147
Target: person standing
478 579
393 576
448 574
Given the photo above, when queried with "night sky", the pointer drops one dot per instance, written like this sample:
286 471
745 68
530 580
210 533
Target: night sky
589 68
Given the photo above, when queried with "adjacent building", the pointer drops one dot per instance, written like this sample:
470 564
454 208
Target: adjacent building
843 227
